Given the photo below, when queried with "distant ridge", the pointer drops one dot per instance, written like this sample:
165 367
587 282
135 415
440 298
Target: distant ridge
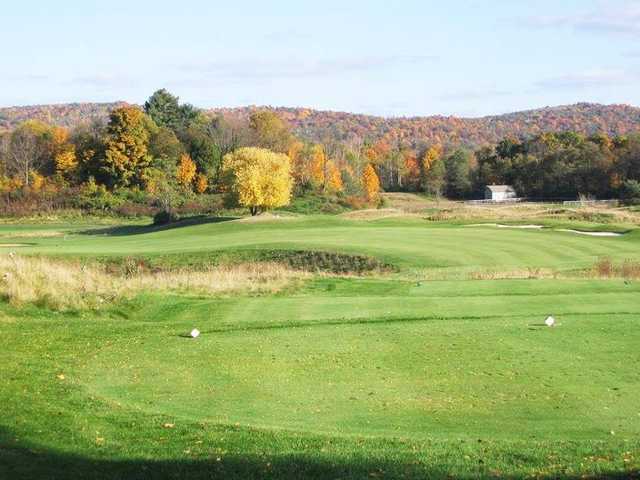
317 125
63 114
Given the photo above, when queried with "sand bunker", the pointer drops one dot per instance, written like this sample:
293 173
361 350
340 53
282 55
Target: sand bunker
266 217
528 227
13 245
592 234
535 227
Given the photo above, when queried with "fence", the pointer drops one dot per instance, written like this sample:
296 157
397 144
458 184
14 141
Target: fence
564 203
495 202
591 203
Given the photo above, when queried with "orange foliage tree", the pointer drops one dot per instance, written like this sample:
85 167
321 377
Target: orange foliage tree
370 183
186 171
431 156
201 183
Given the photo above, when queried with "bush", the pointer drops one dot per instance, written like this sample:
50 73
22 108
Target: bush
164 217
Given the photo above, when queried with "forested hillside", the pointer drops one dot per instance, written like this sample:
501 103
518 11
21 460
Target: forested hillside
583 118
322 126
67 115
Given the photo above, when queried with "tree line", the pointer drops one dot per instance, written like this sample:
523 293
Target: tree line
168 150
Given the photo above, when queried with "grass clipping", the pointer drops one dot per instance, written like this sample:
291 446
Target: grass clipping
66 286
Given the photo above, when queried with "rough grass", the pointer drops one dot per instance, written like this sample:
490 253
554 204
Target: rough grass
448 211
607 268
67 285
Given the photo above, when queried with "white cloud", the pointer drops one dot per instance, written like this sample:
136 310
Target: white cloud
622 20
590 79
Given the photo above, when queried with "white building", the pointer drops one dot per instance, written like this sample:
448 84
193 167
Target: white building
499 193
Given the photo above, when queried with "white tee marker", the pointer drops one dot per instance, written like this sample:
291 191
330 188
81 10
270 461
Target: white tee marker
195 333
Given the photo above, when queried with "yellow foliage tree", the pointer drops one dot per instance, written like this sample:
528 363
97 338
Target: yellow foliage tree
127 146
370 183
63 151
186 171
334 180
430 156
258 178
37 181
318 165
201 183
11 184
66 161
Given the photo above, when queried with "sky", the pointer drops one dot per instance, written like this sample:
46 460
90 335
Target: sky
390 58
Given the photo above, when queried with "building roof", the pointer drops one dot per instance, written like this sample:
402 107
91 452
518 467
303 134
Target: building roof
500 188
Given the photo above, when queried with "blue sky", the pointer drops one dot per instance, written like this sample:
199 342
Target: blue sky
402 57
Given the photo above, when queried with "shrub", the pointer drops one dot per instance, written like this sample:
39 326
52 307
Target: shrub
165 217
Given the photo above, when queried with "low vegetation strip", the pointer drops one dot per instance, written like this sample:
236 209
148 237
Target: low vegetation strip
62 285
319 261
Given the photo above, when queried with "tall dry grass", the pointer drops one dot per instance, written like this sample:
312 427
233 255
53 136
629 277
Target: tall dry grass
607 268
61 285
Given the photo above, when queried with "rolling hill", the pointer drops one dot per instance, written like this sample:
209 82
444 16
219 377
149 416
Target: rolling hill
316 125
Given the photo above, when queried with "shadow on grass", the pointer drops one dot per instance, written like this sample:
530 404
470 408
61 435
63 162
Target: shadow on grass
23 464
125 230
20 461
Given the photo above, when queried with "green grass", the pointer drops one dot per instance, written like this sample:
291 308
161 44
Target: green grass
341 378
408 243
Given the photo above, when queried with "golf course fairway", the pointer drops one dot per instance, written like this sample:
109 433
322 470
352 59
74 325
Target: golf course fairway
416 371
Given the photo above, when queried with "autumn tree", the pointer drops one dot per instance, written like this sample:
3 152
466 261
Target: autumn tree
318 166
258 179
26 151
334 178
186 171
269 131
63 152
430 157
126 147
88 140
201 183
370 183
411 169
434 179
296 155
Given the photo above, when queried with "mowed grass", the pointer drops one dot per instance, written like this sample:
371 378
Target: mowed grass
408 243
425 365
342 378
